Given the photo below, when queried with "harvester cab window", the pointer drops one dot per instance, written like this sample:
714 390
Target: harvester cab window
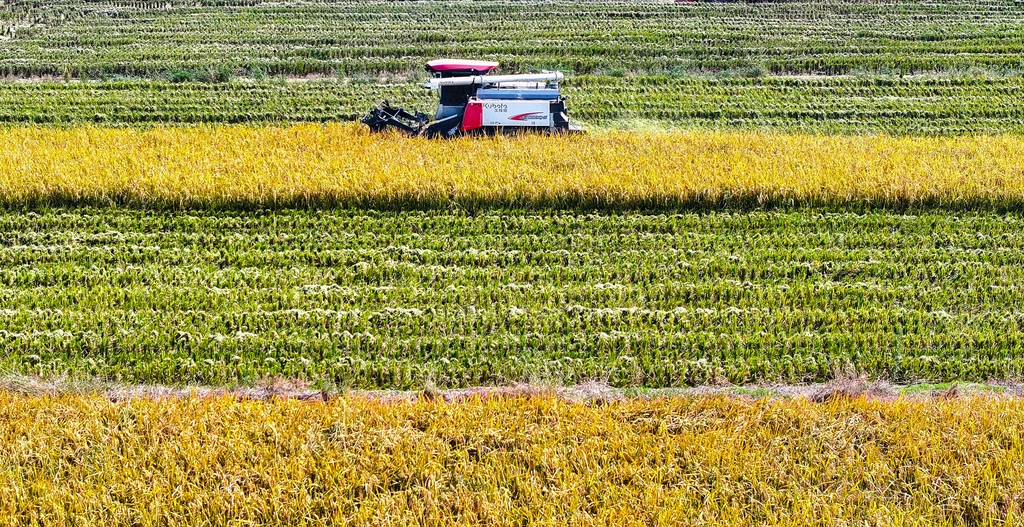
456 95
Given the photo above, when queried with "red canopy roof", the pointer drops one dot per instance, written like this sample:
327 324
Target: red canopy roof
461 65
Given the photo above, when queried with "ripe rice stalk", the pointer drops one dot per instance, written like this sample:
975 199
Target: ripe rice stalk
81 459
317 165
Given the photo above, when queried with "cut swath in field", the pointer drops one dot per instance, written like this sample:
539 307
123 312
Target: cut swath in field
917 106
358 37
399 299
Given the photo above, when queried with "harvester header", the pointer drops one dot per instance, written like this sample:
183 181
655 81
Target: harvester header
470 101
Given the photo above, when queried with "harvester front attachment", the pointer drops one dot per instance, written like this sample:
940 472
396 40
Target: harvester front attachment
383 116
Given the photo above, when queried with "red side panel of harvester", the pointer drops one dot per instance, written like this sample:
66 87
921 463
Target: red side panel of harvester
474 116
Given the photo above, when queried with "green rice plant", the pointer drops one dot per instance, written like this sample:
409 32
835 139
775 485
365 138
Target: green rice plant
379 299
86 39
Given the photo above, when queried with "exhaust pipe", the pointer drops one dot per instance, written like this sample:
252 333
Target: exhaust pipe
493 79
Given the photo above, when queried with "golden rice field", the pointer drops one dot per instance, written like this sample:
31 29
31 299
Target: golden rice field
83 460
87 460
342 163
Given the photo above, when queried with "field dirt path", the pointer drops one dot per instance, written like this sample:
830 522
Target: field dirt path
588 393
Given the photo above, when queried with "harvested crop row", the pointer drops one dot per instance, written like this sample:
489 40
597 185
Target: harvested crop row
541 461
916 106
312 165
95 39
375 299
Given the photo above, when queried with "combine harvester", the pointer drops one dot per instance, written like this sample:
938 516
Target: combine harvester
472 102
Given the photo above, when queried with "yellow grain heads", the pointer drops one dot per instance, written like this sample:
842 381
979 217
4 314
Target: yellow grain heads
313 164
686 461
